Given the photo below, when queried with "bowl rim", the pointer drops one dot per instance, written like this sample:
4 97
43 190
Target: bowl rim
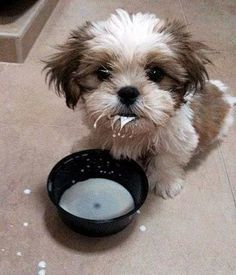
130 213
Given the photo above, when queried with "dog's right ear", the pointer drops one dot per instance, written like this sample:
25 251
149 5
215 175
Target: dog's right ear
62 67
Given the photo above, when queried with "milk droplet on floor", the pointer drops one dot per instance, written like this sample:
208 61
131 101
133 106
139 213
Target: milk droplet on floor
42 272
18 253
142 228
138 212
3 249
27 191
42 264
25 224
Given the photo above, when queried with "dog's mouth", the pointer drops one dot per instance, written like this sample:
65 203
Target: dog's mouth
127 115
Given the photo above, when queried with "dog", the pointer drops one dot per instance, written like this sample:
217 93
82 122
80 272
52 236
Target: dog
145 93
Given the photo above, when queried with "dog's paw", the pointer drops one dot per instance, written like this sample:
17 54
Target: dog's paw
169 189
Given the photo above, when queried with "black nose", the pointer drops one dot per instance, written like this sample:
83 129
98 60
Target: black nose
128 95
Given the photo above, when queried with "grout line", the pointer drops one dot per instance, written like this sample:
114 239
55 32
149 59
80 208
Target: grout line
226 172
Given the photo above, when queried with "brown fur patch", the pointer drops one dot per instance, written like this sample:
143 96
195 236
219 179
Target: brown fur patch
61 67
190 54
210 110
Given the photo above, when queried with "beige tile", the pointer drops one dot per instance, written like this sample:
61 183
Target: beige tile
212 21
193 234
223 69
26 97
70 14
46 43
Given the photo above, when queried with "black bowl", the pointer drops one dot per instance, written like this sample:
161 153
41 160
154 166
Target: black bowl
97 164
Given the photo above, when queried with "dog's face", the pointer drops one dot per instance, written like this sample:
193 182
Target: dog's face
126 66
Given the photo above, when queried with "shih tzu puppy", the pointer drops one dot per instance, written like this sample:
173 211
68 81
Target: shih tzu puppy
145 93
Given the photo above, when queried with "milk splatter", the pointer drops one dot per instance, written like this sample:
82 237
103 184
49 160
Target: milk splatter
41 268
142 228
25 224
123 121
138 211
42 272
18 253
114 121
27 191
96 122
3 249
42 264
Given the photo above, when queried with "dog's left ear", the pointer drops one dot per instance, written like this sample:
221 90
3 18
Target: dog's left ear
192 55
62 67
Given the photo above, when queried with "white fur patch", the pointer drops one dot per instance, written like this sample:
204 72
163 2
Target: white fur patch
130 34
179 136
219 84
228 121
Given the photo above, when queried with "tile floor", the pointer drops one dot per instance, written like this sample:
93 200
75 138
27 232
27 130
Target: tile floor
192 234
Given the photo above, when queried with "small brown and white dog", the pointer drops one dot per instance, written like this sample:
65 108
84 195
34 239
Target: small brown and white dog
145 92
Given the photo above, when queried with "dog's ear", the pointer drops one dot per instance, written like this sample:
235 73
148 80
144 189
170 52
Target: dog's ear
61 67
191 54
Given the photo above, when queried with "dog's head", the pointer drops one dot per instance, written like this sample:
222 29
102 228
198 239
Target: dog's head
130 65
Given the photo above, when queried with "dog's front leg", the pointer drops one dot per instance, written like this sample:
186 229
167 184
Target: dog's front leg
165 175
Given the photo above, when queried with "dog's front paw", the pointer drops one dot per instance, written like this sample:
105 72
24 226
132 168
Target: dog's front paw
169 189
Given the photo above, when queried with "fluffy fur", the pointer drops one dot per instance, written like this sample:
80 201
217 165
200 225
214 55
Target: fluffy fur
175 117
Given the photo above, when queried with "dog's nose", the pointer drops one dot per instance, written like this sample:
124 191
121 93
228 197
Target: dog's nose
128 95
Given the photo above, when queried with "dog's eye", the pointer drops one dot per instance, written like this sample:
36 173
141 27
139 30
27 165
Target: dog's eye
103 73
155 74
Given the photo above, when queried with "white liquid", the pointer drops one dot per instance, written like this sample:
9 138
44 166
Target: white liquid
27 191
123 121
97 199
42 264
142 228
42 272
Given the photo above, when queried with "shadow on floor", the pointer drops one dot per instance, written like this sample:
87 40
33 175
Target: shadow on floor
199 158
70 239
